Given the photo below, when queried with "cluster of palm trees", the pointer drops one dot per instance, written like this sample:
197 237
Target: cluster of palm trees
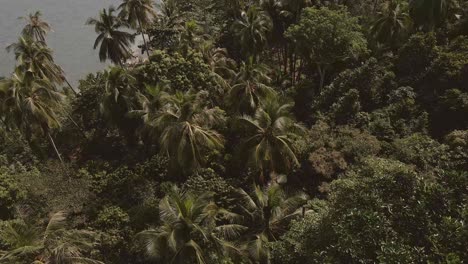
113 40
194 228
30 99
188 126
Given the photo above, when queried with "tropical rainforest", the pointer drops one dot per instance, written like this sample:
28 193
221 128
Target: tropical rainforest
246 131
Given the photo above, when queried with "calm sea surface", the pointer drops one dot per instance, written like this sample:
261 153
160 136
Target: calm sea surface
71 40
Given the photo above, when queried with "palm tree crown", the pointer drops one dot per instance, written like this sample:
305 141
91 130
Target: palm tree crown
249 87
268 212
392 23
252 29
35 27
114 43
187 128
270 137
139 14
190 224
55 244
35 59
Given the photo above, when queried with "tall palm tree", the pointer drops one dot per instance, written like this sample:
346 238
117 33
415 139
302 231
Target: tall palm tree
427 14
139 14
252 29
35 27
31 105
35 59
36 30
392 23
268 212
249 86
190 225
269 139
55 244
187 129
114 43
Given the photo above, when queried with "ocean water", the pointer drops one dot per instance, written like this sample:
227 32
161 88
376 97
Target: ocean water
71 40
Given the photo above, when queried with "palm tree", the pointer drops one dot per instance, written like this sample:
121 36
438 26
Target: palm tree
34 33
114 43
221 66
270 136
427 14
190 225
139 14
252 29
35 27
190 37
187 128
268 212
118 100
170 16
35 59
392 23
31 105
249 87
55 244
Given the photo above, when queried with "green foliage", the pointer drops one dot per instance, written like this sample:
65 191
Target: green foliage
178 72
112 217
383 147
381 211
324 37
11 192
208 181
415 58
421 151
371 84
55 242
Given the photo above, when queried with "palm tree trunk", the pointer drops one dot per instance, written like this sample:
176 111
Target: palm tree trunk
144 39
77 126
55 147
69 85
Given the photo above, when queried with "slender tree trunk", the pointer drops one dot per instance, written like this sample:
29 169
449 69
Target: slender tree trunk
144 39
55 147
321 71
77 126
69 85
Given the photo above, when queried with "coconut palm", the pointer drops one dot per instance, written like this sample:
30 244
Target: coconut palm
190 225
36 61
170 15
252 30
55 244
221 66
249 87
118 100
269 139
31 105
268 212
427 14
114 43
35 27
187 129
392 23
139 14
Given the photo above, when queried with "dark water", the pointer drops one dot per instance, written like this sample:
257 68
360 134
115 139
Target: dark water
71 40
